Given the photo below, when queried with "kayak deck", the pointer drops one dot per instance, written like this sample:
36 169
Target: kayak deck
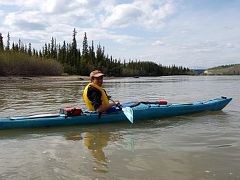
141 111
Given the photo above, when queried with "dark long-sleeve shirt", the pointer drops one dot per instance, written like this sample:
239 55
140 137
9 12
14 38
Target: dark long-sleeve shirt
94 95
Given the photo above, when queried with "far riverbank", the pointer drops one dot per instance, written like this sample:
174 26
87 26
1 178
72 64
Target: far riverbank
47 78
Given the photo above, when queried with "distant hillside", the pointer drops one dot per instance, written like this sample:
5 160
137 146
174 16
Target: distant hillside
233 69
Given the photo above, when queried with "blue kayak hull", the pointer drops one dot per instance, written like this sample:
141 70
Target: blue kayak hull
142 111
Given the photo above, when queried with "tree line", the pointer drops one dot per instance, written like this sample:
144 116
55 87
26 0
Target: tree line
81 61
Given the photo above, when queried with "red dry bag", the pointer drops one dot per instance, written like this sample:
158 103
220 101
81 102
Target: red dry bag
70 111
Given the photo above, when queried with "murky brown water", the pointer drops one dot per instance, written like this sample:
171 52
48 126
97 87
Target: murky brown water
198 146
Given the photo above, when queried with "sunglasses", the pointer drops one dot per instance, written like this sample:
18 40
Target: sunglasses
100 78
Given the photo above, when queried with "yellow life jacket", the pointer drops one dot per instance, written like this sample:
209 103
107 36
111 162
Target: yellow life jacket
87 101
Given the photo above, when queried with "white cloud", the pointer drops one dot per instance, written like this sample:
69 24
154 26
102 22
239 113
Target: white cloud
158 43
26 25
61 6
57 18
229 45
50 6
97 34
203 50
92 13
146 14
122 16
12 19
22 3
155 17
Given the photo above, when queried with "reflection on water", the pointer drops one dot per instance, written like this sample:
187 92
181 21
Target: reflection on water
95 142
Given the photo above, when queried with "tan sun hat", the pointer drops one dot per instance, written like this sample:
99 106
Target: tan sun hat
96 73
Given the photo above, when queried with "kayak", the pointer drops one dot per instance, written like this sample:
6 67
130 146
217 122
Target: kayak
138 112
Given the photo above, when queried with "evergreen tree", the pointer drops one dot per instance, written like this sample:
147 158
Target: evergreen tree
49 51
74 51
63 53
86 66
8 42
74 41
29 49
19 43
20 46
1 43
85 46
40 54
100 56
34 52
52 49
92 55
45 50
55 49
13 47
25 49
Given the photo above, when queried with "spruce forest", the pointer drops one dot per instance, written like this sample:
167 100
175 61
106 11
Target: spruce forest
20 59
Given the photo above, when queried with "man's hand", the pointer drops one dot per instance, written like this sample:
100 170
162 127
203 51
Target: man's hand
117 103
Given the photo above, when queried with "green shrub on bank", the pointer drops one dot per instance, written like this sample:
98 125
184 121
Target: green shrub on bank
21 64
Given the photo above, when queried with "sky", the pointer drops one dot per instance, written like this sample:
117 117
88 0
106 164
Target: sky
189 33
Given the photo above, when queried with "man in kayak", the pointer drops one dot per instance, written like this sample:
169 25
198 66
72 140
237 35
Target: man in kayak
95 97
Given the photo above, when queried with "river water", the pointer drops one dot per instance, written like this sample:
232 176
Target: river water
197 146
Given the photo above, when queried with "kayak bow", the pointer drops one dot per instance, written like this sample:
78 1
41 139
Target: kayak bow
141 111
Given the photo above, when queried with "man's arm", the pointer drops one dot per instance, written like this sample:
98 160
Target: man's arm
95 96
104 108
